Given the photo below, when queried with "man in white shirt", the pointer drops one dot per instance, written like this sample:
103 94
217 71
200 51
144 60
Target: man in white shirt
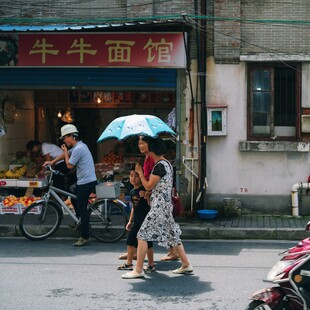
49 152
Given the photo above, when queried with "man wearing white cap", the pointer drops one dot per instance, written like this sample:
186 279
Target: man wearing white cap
76 154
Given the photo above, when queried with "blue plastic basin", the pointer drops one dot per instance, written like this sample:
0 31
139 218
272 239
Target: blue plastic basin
207 214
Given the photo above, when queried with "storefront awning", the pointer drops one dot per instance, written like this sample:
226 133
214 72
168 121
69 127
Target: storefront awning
88 78
47 27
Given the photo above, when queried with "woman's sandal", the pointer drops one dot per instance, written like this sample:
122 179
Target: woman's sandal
133 275
125 267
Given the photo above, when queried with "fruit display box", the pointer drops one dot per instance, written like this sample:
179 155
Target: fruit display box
16 205
36 210
15 209
23 183
8 182
11 167
31 183
18 208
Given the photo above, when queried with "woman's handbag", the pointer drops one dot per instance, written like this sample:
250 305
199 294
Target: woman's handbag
177 204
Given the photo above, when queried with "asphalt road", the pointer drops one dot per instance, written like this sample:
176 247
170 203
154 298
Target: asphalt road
53 275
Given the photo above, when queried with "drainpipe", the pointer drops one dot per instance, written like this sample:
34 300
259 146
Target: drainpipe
202 71
294 196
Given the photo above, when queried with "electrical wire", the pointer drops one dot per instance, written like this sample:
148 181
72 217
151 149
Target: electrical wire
72 6
54 5
178 16
263 48
193 21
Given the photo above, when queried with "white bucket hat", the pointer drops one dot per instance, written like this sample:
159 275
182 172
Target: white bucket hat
67 129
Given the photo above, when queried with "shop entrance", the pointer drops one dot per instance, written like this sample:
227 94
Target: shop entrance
91 111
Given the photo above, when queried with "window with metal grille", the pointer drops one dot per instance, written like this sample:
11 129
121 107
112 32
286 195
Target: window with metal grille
274 101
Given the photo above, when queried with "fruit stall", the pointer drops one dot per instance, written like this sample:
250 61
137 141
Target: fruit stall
113 167
20 187
17 191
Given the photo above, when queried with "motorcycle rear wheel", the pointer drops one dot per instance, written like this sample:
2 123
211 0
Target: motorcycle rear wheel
256 305
260 305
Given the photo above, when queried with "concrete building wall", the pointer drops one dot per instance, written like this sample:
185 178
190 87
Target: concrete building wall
261 180
282 29
260 27
227 30
96 9
255 31
69 9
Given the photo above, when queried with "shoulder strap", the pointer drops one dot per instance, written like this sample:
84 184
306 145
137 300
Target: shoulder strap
171 168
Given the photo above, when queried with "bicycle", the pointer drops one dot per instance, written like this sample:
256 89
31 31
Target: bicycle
42 219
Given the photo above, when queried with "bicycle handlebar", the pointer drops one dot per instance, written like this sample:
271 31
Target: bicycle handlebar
56 172
49 167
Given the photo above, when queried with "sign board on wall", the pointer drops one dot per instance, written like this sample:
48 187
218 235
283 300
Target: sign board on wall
96 50
217 120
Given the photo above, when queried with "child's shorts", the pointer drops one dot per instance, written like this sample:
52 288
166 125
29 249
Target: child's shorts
132 237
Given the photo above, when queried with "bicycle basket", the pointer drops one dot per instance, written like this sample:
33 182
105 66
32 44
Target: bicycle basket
108 190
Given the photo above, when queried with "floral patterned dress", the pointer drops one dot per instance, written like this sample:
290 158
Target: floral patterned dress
159 224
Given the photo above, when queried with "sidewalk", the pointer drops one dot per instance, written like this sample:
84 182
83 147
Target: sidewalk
247 227
243 227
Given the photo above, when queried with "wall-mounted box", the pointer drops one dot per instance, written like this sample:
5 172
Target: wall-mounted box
217 120
305 123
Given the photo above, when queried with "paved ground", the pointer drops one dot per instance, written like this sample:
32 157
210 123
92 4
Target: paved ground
243 227
247 227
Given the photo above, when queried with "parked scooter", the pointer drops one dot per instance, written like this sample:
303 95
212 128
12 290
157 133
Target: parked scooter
292 274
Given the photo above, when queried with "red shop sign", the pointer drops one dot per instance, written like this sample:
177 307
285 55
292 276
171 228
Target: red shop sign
102 50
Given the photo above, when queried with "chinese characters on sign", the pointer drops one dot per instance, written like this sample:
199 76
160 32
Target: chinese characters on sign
108 50
80 49
162 50
42 49
119 51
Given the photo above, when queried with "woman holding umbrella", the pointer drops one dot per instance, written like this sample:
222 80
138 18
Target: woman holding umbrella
159 225
148 165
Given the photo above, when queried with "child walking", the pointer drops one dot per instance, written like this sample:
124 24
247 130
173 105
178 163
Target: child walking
138 213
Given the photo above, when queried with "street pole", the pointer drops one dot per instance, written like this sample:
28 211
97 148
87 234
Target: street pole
202 67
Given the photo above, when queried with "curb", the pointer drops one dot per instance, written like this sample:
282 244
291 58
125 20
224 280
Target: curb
8 231
244 233
196 232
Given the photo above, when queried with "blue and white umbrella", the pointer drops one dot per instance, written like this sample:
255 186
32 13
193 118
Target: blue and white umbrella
132 125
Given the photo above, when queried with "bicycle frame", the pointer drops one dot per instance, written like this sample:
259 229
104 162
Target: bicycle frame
108 218
53 191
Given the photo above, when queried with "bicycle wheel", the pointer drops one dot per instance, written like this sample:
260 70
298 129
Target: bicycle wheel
40 220
107 221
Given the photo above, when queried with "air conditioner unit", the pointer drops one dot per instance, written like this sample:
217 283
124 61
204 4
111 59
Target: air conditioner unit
305 123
